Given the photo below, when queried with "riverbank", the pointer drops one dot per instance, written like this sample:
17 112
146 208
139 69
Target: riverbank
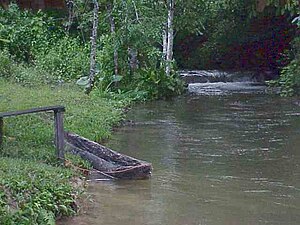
34 189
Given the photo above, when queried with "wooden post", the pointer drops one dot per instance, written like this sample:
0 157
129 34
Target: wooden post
58 125
59 134
1 132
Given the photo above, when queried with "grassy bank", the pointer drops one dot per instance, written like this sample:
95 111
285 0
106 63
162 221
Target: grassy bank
33 188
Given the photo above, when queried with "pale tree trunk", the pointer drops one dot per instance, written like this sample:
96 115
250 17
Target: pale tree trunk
170 36
133 61
70 5
93 47
165 43
113 32
132 52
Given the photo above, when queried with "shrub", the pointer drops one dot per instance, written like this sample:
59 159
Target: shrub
27 33
289 80
22 73
34 193
157 85
6 65
66 60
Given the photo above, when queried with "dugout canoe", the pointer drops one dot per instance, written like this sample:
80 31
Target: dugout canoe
107 161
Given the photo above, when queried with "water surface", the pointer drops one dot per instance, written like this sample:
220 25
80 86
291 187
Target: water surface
218 160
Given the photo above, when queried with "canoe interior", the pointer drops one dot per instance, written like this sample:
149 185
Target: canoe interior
107 161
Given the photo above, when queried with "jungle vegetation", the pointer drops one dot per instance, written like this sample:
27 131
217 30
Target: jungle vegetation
97 56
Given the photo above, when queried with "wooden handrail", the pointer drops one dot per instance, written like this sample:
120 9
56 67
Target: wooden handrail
58 125
33 110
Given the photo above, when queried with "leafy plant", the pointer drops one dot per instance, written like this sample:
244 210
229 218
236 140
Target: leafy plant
39 192
157 85
289 80
25 33
66 60
6 65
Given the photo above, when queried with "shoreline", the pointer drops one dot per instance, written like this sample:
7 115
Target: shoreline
38 189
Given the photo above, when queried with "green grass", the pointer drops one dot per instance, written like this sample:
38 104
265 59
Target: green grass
33 188
87 115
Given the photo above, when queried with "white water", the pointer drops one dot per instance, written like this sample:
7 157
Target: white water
221 88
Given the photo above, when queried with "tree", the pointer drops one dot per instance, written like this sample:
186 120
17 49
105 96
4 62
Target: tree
93 47
113 33
169 39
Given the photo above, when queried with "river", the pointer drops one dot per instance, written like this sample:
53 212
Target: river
225 159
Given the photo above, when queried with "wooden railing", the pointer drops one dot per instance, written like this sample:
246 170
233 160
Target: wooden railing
58 125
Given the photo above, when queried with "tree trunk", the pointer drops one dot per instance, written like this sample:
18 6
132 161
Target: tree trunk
133 61
4 3
165 43
37 4
113 32
170 36
93 47
70 5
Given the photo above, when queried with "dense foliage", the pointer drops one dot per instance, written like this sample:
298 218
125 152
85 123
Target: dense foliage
289 80
247 35
24 34
40 41
27 196
44 54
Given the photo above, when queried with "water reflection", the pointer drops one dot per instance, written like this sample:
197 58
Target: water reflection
217 160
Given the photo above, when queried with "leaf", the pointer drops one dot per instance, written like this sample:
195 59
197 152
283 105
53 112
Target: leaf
83 81
4 40
63 208
296 20
171 88
117 78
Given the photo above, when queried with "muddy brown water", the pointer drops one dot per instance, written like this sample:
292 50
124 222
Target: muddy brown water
218 160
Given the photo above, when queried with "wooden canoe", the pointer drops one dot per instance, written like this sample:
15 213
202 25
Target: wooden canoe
107 161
